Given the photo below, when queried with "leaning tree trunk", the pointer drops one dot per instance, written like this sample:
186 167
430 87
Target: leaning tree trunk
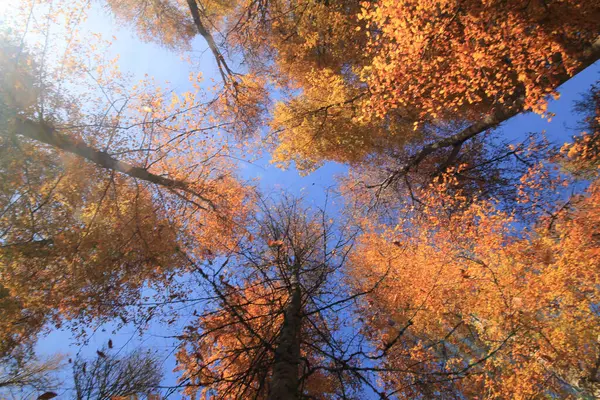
284 383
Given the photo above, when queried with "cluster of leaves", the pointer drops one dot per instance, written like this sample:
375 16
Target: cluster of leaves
471 294
360 78
468 56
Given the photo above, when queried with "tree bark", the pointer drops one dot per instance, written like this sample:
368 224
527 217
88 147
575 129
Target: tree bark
45 133
284 383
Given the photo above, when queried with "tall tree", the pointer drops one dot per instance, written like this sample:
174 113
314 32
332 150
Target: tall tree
469 291
109 190
276 330
100 187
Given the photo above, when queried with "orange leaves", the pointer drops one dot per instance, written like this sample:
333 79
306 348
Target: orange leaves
325 122
275 243
480 54
467 280
242 105
455 279
219 348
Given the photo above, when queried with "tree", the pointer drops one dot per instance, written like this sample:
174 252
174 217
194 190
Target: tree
109 375
427 64
98 193
274 332
28 374
485 62
109 190
436 77
469 54
466 294
166 22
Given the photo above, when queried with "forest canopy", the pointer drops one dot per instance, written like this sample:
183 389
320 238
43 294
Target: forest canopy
450 258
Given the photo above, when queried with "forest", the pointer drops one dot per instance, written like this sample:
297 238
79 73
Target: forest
299 199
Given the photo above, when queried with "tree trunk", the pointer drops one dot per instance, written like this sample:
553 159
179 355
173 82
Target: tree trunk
284 383
44 133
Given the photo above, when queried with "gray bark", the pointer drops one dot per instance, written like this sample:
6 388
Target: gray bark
284 381
45 133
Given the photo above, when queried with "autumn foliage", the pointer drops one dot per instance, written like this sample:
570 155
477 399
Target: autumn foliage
473 55
473 294
425 63
455 262
98 206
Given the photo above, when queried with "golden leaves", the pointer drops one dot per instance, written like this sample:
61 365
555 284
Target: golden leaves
479 53
326 123
469 279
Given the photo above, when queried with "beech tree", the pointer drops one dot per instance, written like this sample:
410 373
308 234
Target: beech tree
95 197
272 331
471 293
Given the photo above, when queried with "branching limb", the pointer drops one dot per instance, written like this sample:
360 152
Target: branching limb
47 134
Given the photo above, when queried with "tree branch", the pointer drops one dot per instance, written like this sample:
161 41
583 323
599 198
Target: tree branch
44 133
489 121
224 69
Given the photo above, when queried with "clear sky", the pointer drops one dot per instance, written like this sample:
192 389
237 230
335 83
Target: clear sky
140 58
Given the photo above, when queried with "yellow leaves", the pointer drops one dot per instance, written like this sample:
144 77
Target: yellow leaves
175 101
462 277
477 56
325 122
573 151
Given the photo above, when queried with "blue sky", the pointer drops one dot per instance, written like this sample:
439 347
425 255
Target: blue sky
140 58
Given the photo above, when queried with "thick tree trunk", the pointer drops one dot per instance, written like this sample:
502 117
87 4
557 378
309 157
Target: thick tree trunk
284 383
